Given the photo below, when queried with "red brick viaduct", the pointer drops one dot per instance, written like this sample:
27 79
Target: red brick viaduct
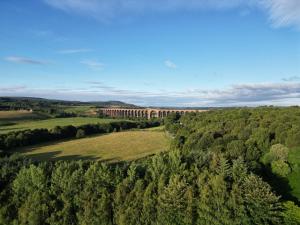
145 113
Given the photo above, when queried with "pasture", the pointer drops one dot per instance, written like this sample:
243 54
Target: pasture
114 147
51 123
17 116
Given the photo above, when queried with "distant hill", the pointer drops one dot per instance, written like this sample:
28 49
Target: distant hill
32 103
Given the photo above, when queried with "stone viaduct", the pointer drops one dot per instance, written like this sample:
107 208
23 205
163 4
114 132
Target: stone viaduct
145 113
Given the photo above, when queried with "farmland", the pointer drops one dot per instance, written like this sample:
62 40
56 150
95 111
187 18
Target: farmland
51 123
119 146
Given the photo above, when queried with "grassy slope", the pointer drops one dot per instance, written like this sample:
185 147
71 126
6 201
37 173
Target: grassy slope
112 147
294 177
50 123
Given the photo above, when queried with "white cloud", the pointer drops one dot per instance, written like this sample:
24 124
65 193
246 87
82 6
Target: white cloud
291 79
284 12
93 64
170 64
285 93
24 60
280 12
74 51
13 89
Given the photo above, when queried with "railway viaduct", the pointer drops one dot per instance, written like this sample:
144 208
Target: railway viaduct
144 113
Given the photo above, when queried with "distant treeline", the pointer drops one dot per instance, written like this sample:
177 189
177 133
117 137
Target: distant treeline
37 136
41 104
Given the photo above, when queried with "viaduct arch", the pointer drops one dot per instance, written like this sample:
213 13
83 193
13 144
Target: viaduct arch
144 113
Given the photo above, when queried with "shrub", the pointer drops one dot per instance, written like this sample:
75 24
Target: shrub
80 133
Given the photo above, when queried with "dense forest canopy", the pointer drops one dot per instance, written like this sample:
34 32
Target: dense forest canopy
224 167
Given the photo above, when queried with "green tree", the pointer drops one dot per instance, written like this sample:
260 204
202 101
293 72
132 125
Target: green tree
261 204
172 202
30 194
280 168
291 213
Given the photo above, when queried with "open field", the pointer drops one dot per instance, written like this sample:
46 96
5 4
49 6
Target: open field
51 123
121 146
294 176
18 115
83 110
15 114
14 117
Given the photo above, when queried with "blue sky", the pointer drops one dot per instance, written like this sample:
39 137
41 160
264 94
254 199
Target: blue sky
158 52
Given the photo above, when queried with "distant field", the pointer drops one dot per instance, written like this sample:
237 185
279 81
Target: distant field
294 177
14 117
51 123
18 115
79 109
121 146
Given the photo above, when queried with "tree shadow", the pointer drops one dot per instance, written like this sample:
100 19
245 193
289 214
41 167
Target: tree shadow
55 156
279 184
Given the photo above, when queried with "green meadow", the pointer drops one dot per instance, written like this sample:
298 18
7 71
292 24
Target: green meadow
114 147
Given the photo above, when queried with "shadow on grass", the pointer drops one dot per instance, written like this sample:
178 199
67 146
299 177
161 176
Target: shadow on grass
55 156
280 185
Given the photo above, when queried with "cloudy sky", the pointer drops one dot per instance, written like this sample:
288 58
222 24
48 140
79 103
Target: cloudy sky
152 52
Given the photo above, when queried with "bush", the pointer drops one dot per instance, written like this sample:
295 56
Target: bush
80 133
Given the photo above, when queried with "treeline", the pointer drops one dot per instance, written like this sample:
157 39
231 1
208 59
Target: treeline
213 175
30 137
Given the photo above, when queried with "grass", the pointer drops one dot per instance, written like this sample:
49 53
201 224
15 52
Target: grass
79 109
15 115
114 147
294 176
51 123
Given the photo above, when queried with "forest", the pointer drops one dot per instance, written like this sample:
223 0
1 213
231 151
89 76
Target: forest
224 167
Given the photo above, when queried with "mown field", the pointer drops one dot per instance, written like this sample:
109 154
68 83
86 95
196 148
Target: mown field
120 146
51 123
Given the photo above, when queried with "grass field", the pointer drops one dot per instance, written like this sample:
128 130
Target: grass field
18 115
121 146
83 110
51 123
14 117
294 176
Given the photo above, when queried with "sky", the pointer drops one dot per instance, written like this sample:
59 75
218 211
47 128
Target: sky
188 53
